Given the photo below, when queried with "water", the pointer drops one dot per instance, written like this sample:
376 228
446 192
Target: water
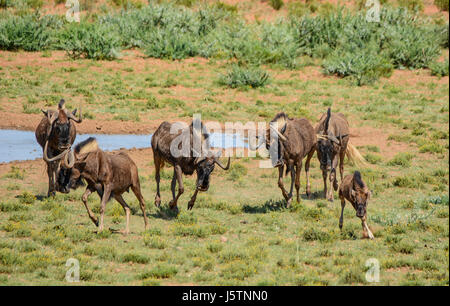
22 145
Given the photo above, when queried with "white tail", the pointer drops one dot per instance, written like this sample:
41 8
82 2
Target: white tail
354 156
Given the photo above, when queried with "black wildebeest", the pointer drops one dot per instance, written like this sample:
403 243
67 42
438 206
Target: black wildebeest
55 134
109 174
296 139
332 146
354 190
201 160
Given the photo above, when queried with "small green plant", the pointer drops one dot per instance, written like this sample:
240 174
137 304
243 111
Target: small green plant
276 4
440 69
239 76
373 158
160 271
442 4
401 159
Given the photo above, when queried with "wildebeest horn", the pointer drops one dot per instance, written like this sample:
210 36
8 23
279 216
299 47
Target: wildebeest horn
57 157
323 137
51 119
69 159
281 136
260 143
217 161
71 115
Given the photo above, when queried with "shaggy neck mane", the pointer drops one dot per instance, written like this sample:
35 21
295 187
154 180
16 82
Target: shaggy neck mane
86 146
281 119
357 179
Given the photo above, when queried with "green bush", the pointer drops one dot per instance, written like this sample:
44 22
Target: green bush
442 4
91 41
276 4
239 76
401 159
414 5
363 66
29 33
440 69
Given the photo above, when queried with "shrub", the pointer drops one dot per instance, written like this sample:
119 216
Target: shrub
414 5
91 41
364 66
401 159
171 44
160 271
440 69
276 4
442 4
29 32
239 76
313 234
373 158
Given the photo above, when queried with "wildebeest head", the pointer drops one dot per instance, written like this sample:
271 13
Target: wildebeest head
204 164
73 164
273 135
360 194
59 127
327 145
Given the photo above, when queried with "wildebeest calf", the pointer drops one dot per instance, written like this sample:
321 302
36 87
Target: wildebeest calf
354 190
107 173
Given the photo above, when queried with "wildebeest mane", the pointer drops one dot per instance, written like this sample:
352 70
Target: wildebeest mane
357 179
86 146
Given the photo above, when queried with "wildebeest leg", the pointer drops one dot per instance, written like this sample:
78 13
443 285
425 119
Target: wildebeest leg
176 178
307 163
84 198
291 190
325 189
105 198
341 163
192 200
126 208
333 181
366 227
297 180
341 219
280 184
157 178
137 192
51 172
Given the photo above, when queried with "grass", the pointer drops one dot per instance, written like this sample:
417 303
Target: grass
239 232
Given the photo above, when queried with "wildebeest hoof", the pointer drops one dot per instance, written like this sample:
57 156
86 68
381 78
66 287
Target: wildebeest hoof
190 205
288 202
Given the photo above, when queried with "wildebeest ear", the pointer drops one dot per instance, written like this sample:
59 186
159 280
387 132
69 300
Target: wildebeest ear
45 112
74 112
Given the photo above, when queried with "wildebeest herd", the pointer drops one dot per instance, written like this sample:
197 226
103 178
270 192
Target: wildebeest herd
111 174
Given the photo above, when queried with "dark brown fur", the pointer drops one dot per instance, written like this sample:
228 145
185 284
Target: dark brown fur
110 175
332 148
60 134
161 142
354 190
300 142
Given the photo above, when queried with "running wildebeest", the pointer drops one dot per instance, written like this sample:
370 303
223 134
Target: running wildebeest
55 134
202 163
109 174
354 190
332 146
296 139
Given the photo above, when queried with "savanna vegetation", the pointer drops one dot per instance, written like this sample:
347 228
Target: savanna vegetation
130 62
